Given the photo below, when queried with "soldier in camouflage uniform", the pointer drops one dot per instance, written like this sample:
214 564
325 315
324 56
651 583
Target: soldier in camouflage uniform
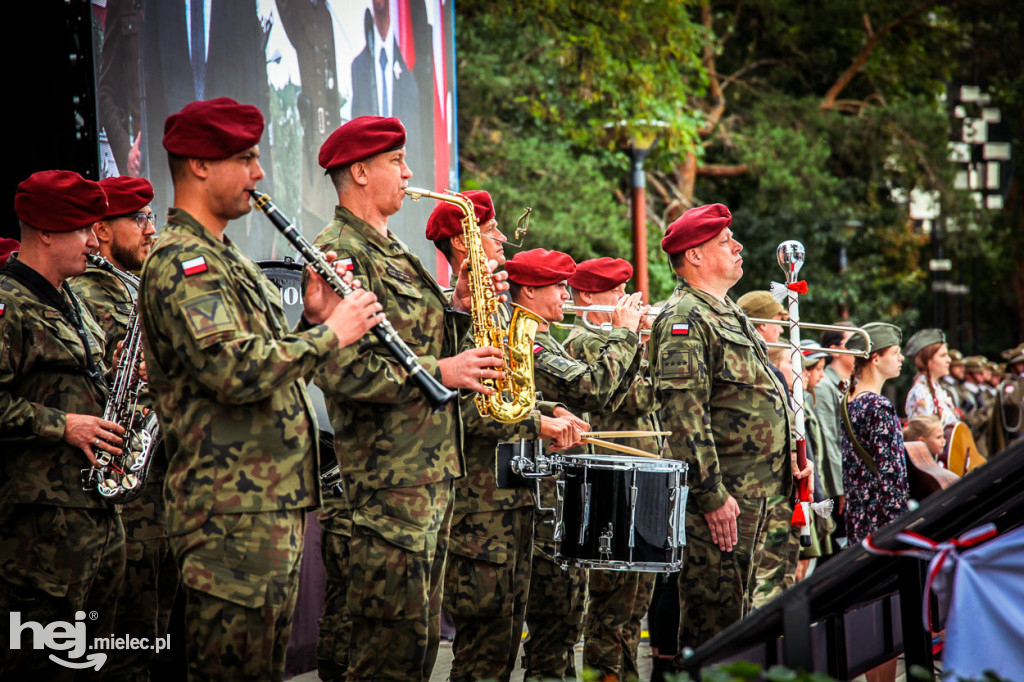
776 567
617 601
385 541
487 572
144 603
61 547
227 379
554 614
731 420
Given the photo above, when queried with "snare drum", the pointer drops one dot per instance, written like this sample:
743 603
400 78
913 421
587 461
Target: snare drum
621 513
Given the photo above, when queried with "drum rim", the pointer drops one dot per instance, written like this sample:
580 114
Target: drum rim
626 462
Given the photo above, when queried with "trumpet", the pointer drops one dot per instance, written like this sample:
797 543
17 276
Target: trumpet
571 309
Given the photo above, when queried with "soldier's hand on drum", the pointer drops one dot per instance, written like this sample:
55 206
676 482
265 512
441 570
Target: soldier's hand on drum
563 433
799 473
470 367
722 523
461 298
563 413
92 435
629 310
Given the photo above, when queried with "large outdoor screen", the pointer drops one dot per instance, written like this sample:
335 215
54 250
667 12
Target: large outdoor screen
309 65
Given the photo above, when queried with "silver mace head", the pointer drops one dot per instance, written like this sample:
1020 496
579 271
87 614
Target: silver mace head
791 258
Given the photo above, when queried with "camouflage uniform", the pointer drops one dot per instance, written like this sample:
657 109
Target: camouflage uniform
151 575
241 439
554 614
617 600
487 573
385 541
61 547
732 425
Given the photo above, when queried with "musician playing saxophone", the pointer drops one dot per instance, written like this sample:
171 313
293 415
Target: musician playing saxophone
61 547
228 381
554 614
385 540
487 572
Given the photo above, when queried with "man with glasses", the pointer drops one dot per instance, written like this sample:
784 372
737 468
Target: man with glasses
125 236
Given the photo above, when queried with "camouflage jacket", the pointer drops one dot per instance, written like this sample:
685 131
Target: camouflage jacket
110 302
226 378
42 378
632 407
727 410
582 388
386 435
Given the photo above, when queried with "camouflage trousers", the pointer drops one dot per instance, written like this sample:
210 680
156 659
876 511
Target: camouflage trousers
776 567
54 563
486 583
240 574
713 584
617 601
382 611
150 584
554 618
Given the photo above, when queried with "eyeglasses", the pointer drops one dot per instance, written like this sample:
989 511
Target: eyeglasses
141 218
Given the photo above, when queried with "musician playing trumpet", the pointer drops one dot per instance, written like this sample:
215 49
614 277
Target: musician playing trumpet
617 600
729 411
61 547
125 237
228 381
487 572
537 279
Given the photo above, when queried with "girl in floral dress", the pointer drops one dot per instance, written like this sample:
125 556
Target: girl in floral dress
927 348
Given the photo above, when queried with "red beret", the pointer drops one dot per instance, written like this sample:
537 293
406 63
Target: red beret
695 227
601 274
213 129
446 220
361 138
126 194
540 267
7 247
59 201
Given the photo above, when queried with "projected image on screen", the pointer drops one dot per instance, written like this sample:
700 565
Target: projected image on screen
309 65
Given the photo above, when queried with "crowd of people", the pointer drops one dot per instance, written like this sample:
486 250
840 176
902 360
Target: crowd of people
421 523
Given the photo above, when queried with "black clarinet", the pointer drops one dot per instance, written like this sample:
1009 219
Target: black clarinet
437 394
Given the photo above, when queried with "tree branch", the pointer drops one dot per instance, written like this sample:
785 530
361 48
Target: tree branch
719 170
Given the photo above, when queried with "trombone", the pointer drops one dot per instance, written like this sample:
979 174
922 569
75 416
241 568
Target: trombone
582 310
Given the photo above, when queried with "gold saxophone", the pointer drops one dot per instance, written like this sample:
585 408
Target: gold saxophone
514 395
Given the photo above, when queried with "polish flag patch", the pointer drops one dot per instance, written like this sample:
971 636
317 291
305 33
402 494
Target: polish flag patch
537 348
680 329
3 307
193 266
345 264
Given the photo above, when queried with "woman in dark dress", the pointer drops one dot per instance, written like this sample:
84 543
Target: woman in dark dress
874 497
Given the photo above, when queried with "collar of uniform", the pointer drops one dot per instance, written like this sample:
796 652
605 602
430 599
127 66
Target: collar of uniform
109 279
719 307
183 220
389 244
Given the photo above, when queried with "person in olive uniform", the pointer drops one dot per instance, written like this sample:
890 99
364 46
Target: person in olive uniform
61 547
617 601
554 613
385 540
125 237
734 426
228 381
490 546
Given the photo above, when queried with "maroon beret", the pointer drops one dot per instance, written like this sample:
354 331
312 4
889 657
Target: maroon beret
540 267
695 227
7 247
446 220
213 129
126 194
601 274
59 201
361 138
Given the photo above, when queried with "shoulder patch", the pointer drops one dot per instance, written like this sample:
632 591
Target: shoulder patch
345 264
3 307
537 348
680 329
193 266
207 314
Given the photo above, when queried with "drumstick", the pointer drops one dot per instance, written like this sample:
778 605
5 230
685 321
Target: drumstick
625 434
586 438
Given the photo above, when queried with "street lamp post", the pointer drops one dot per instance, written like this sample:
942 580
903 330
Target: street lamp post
641 140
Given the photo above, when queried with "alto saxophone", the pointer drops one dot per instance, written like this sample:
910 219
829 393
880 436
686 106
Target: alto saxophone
121 478
514 395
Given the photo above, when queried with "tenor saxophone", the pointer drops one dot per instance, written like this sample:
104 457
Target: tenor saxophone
514 395
121 478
